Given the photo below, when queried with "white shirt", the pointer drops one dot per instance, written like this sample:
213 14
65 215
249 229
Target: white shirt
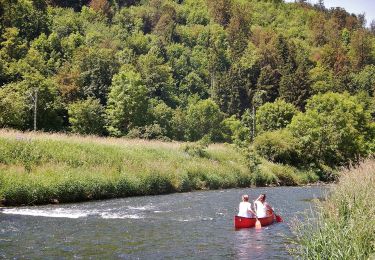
244 210
261 210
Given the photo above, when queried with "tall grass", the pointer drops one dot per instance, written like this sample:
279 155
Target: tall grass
344 227
38 168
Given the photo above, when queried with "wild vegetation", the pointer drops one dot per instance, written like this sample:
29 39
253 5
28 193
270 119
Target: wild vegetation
45 168
290 84
344 227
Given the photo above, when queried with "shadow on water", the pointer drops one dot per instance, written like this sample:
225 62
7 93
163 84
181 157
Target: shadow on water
196 225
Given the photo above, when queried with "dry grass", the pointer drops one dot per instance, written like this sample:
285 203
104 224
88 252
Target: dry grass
124 142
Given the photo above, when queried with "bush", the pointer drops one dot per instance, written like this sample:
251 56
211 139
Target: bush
153 131
278 146
233 130
13 107
204 118
335 130
273 116
162 116
244 179
87 117
155 183
285 175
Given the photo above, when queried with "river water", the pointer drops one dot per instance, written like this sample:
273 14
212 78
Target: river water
196 225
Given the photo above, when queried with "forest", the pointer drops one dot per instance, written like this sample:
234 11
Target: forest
294 82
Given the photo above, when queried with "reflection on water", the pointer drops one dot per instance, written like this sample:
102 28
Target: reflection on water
249 243
197 225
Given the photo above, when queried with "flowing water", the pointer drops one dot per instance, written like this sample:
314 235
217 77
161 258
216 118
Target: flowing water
196 225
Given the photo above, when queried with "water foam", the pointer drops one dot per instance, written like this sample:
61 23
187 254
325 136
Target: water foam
193 219
120 216
147 207
54 213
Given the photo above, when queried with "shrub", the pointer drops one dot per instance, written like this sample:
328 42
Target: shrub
203 118
278 146
244 179
87 117
13 107
284 174
162 116
233 130
335 130
127 185
153 131
273 116
155 183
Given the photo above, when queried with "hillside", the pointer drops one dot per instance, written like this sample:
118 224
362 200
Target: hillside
236 71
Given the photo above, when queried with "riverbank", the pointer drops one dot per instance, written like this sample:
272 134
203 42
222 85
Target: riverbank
344 227
40 168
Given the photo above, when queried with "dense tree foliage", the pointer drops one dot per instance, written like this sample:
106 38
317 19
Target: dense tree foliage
203 118
185 70
273 116
335 129
128 104
87 117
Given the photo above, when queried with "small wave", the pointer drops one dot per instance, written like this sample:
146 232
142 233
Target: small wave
162 211
184 220
119 216
193 219
137 208
55 213
141 208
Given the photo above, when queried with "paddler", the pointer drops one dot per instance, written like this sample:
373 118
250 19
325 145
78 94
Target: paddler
245 209
262 208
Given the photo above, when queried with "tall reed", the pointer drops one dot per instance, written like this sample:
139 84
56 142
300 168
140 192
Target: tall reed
344 226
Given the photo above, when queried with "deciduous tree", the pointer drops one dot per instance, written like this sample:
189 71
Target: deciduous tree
335 129
87 117
273 116
128 103
203 118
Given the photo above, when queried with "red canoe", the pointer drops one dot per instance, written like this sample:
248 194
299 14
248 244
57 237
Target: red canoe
241 222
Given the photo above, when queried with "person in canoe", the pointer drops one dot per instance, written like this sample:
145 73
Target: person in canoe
245 209
262 208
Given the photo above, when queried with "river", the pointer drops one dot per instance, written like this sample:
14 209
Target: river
196 225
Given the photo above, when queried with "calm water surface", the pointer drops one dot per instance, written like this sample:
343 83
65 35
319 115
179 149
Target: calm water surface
197 225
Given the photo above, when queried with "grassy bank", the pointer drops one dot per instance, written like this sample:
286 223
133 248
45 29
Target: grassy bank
38 168
345 226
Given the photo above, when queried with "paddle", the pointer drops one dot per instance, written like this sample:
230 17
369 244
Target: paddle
279 218
258 225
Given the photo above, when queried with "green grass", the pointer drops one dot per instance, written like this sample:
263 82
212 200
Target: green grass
38 168
344 227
